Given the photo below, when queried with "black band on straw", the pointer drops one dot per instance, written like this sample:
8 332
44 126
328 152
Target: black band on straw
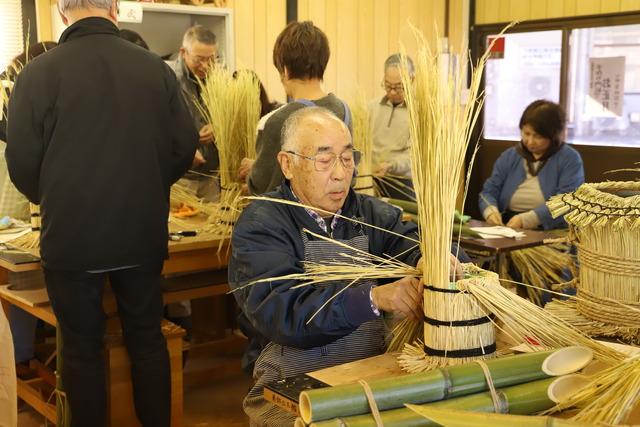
458 323
443 290
458 354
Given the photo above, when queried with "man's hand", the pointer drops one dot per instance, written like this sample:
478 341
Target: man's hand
515 222
198 159
206 134
404 296
455 268
495 219
245 168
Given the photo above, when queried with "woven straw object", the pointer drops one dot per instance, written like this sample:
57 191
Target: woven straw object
604 221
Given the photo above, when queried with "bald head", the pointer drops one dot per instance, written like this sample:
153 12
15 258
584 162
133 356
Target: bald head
309 119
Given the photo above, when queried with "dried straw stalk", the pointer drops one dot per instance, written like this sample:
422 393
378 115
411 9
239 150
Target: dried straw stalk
526 322
232 105
441 120
31 240
363 142
542 267
604 220
609 397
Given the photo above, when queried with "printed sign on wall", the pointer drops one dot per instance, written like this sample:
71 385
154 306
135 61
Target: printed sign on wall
606 87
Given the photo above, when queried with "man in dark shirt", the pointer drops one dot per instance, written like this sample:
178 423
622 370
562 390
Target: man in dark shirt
300 54
97 133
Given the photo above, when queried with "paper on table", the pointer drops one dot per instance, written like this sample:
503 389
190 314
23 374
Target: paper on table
13 233
498 232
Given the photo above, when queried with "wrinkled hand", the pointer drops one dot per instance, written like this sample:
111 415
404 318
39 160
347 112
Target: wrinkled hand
245 168
403 296
206 134
495 219
515 222
455 268
198 159
382 169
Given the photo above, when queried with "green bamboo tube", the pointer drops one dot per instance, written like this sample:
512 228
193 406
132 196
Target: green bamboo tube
452 418
407 206
522 399
429 386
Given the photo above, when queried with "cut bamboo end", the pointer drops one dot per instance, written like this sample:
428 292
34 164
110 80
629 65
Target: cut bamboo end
563 388
305 408
299 423
567 360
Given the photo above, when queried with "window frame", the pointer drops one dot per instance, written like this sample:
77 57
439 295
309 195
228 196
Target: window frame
479 34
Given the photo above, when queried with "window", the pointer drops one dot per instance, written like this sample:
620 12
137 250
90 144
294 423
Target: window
527 69
604 86
591 69
11 39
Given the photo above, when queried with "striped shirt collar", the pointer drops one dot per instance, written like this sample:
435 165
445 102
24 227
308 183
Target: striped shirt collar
318 219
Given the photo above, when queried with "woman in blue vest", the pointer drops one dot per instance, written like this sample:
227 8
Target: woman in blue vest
525 176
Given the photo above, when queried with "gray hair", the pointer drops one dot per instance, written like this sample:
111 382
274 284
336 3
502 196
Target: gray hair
396 60
297 120
65 5
200 34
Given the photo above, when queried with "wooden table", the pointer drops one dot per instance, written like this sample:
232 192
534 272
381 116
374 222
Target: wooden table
199 254
502 246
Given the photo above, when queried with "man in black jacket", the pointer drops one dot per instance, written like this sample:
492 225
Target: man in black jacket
97 133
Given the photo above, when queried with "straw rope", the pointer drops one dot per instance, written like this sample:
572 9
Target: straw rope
371 400
498 405
567 311
607 263
608 310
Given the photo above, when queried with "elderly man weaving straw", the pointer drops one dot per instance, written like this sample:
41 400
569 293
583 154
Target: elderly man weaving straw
269 240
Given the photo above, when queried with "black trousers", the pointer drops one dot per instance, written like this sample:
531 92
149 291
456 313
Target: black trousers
76 297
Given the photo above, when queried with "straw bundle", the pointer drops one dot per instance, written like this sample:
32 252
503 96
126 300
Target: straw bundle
31 240
604 220
542 266
526 322
441 121
463 331
233 109
608 397
363 142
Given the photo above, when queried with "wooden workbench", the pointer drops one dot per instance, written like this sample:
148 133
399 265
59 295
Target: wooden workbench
204 254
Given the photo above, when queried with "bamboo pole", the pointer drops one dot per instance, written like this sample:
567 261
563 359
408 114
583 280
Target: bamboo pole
450 382
522 399
454 418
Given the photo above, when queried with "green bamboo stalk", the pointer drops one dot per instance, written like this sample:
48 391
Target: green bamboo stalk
522 399
429 386
453 418
407 206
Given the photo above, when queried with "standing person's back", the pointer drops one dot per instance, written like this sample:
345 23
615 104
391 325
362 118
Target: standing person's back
97 133
106 148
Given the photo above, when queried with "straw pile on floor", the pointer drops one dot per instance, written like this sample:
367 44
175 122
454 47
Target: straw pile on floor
604 221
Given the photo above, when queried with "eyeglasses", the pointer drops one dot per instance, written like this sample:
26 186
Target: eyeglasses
326 161
389 87
202 59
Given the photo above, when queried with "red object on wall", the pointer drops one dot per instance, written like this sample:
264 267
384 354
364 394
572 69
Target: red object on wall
496 50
